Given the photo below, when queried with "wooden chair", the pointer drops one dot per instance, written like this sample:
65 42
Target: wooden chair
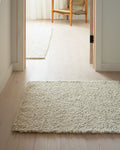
69 11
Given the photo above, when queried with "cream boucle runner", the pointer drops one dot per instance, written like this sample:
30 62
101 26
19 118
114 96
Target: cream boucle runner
70 107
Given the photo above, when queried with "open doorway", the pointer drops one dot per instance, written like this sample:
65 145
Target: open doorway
67 49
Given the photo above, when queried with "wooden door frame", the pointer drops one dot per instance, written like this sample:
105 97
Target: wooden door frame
24 34
92 32
21 37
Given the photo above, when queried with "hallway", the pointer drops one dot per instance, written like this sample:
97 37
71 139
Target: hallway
64 61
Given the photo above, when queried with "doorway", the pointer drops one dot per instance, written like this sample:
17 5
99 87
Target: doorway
66 51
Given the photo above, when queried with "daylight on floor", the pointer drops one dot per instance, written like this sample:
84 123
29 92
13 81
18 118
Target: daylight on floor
59 75
56 43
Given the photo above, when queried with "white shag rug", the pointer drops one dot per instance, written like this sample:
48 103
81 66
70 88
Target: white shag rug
37 40
70 107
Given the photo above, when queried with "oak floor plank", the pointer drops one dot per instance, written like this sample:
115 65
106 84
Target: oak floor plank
105 142
53 142
26 142
12 142
41 142
115 141
92 142
8 105
5 115
71 142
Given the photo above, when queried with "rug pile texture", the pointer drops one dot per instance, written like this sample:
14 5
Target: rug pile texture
69 107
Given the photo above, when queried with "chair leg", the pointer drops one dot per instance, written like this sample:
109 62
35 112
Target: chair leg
71 19
86 10
52 16
86 17
71 11
67 7
52 11
67 17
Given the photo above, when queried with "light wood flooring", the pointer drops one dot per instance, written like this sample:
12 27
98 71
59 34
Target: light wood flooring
67 59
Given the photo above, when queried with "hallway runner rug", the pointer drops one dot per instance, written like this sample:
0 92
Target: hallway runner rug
37 40
69 107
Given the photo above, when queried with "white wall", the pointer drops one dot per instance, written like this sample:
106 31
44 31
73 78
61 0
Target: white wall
5 42
111 31
109 54
13 30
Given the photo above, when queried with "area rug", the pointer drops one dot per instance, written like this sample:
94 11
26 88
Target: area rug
37 41
69 107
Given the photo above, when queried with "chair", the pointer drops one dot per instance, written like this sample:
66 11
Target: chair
69 11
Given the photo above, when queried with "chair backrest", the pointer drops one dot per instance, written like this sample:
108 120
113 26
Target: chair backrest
77 2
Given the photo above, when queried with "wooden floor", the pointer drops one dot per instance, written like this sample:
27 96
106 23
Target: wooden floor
67 59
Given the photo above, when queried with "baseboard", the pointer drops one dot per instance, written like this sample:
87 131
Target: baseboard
4 77
17 67
109 67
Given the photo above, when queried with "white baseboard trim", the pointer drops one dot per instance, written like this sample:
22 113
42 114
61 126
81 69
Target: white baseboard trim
109 67
5 76
17 67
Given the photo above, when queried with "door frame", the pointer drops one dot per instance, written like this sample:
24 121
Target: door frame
21 38
92 32
24 34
